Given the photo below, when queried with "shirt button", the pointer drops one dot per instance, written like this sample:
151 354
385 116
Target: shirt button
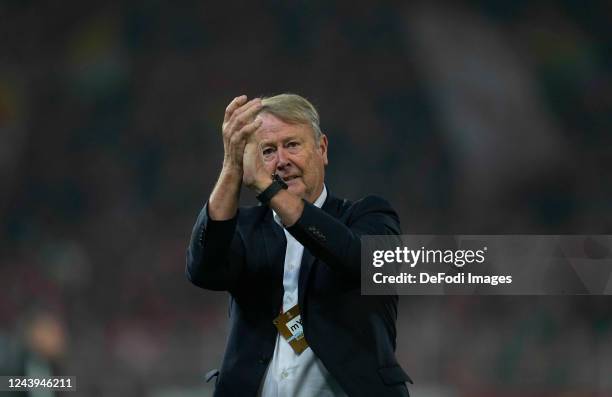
284 374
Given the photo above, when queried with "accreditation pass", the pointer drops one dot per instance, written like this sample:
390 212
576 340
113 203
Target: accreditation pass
289 325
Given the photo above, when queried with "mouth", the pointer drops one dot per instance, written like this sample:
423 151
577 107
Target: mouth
290 178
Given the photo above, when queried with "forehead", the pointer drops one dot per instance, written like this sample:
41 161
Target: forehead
272 129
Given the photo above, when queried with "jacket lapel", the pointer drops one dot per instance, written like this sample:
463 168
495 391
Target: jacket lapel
275 246
332 207
305 270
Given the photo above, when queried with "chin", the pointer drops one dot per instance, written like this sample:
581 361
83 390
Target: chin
297 190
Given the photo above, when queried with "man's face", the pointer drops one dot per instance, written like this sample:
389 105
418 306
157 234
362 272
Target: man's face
291 151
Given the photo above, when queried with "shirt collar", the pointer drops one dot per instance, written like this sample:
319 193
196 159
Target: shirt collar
318 203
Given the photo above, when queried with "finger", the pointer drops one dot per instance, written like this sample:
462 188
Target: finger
245 107
246 113
250 147
245 133
232 125
250 154
248 129
234 104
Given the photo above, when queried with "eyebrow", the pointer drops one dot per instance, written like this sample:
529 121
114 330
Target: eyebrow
269 142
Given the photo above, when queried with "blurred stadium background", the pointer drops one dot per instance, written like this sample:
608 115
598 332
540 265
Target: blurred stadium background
470 117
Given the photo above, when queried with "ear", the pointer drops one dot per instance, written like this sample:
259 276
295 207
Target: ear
323 148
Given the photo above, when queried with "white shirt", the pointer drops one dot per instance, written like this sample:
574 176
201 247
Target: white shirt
290 374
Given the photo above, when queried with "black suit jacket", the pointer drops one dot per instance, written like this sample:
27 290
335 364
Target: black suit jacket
353 335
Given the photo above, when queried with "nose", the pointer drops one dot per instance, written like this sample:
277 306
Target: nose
283 160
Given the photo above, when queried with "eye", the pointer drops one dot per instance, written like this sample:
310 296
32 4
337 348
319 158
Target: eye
293 144
268 151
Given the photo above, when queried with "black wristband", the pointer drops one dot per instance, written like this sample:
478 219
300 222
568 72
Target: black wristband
276 186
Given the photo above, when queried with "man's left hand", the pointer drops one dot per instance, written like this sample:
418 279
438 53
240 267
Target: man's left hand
256 177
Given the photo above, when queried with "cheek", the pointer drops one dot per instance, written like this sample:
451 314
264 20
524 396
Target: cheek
270 165
303 162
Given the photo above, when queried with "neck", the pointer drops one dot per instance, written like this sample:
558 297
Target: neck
315 195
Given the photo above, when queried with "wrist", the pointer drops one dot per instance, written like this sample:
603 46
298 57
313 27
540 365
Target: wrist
270 190
262 184
232 170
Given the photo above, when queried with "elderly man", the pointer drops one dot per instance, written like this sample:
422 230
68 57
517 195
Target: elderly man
298 323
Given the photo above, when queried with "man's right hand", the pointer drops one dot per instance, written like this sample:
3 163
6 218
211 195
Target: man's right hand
238 125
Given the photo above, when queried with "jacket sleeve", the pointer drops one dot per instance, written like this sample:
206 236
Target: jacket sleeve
339 244
215 255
